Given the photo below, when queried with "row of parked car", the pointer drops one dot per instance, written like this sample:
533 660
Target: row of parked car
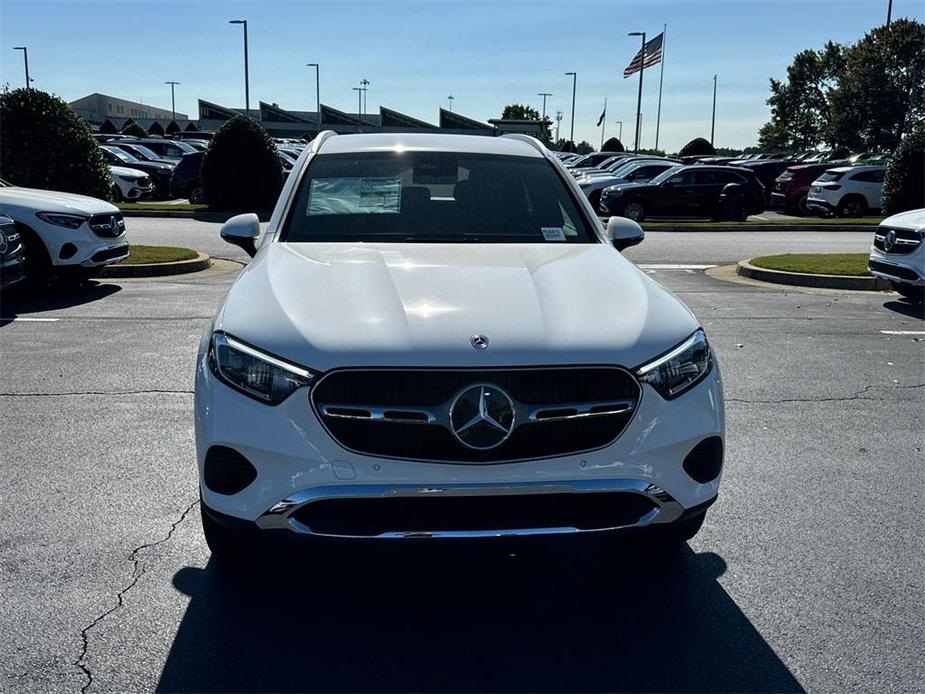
640 186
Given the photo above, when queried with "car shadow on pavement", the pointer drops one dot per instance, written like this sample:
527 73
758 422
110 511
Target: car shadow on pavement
52 298
906 307
499 618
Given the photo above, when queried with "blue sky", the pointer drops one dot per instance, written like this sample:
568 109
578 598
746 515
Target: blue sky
486 54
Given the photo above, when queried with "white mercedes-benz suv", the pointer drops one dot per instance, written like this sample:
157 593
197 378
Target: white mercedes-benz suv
435 338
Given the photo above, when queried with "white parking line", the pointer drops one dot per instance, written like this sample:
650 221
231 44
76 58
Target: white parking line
29 320
903 332
661 266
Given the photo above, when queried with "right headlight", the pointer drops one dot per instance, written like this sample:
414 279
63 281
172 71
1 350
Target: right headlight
257 374
680 369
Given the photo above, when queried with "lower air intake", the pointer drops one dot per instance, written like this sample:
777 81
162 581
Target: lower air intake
226 471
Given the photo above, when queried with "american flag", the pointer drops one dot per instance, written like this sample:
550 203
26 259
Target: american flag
653 50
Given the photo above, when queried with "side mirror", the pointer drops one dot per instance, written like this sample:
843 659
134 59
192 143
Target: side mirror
242 230
624 232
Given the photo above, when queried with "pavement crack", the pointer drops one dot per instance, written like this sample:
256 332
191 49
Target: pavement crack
137 572
79 393
859 395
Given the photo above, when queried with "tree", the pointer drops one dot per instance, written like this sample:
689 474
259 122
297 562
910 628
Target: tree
904 185
728 152
613 145
800 117
697 146
881 88
44 144
520 112
132 128
241 170
584 147
191 127
564 145
653 152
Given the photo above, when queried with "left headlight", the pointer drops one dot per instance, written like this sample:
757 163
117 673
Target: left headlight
71 221
259 375
680 369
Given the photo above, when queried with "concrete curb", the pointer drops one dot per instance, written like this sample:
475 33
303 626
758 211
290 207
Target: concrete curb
179 267
200 215
799 279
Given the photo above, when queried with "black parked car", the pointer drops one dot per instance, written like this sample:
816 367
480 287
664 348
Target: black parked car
140 152
683 191
185 180
767 171
159 173
169 150
12 258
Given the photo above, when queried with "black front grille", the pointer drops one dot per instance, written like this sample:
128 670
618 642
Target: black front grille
905 241
372 517
225 471
902 273
110 253
413 440
107 225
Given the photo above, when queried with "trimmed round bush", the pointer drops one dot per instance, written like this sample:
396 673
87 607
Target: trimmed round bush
904 185
44 144
241 170
613 145
697 146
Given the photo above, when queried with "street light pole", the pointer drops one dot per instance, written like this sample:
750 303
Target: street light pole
317 90
620 136
713 125
247 88
544 95
450 99
364 83
889 12
173 103
359 91
574 85
642 68
25 57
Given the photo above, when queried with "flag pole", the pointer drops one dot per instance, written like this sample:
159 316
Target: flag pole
658 117
603 123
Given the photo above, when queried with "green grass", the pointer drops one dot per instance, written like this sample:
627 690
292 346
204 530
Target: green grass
160 206
851 264
141 255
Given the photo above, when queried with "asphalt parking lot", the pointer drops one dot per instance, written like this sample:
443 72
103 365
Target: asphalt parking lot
807 575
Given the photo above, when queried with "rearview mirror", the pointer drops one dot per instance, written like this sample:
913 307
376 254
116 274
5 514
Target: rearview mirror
242 230
624 232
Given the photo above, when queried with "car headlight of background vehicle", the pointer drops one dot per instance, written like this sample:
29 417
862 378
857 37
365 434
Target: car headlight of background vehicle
680 369
259 375
71 221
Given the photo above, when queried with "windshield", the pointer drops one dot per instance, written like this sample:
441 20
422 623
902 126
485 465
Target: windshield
122 154
434 197
666 174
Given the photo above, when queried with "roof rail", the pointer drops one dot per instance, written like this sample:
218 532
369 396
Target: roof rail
530 140
319 139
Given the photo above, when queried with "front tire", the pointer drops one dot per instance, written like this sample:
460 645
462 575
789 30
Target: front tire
634 209
802 206
851 206
909 291
117 193
37 261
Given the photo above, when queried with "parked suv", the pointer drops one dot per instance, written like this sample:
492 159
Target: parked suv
790 190
847 191
435 338
159 173
65 235
898 253
683 191
12 259
167 150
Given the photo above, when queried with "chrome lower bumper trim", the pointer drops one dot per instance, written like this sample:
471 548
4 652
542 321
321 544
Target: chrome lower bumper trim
280 516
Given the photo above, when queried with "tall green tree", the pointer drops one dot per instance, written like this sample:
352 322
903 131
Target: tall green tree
584 147
520 112
613 145
881 88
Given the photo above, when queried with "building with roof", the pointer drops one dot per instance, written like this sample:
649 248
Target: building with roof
99 108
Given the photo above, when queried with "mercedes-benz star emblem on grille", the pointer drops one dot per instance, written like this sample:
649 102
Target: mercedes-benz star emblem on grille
482 417
114 225
889 240
479 341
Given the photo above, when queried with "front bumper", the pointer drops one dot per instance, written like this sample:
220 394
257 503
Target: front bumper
908 269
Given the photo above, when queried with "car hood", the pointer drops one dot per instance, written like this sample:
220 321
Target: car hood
126 171
913 219
28 200
632 187
327 305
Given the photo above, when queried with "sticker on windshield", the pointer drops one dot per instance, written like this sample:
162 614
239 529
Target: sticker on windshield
553 233
354 196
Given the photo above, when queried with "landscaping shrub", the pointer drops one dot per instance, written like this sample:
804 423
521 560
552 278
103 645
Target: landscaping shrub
904 185
697 146
132 128
44 144
241 170
613 145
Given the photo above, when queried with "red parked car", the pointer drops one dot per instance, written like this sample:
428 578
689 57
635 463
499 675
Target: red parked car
789 190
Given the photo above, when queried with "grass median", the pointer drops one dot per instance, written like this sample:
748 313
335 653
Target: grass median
161 207
845 264
147 255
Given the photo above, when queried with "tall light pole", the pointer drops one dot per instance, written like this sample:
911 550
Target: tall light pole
450 99
620 136
317 89
544 95
359 91
247 88
574 84
889 12
364 83
173 103
25 57
642 68
713 125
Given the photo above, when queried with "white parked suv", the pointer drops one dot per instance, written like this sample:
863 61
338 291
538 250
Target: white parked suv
67 235
898 253
847 191
436 338
130 184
